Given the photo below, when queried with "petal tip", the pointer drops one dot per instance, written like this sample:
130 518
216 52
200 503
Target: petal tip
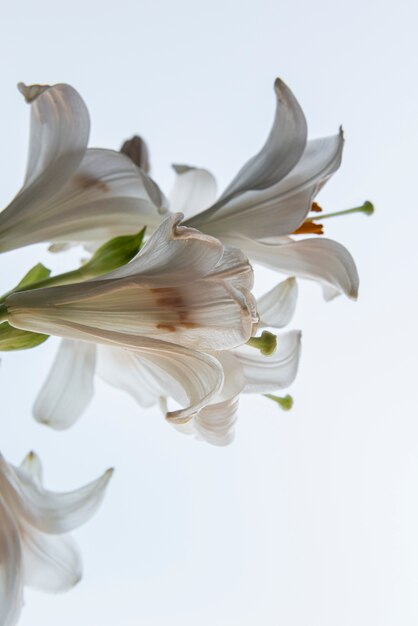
31 92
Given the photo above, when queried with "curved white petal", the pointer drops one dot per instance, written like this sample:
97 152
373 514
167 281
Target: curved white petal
108 195
280 153
280 209
322 260
214 423
267 373
189 377
11 574
33 466
194 190
173 254
277 306
48 511
59 135
148 299
52 563
69 386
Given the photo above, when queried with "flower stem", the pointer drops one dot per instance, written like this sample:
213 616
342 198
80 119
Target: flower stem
4 314
367 208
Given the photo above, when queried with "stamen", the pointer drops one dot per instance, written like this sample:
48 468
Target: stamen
267 343
367 208
285 403
309 228
315 208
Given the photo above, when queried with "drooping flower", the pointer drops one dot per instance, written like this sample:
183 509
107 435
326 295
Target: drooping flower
35 547
72 194
182 295
269 200
69 386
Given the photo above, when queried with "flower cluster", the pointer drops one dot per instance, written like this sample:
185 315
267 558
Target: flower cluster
163 308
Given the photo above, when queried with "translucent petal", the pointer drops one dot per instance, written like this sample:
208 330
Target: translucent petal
52 563
277 306
268 373
194 190
69 386
11 574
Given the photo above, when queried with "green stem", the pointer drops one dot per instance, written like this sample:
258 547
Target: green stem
367 208
74 276
4 314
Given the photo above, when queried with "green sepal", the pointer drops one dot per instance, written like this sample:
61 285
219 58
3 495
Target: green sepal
37 273
15 339
113 254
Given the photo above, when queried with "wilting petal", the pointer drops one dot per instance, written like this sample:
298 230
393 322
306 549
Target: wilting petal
281 152
189 377
277 306
69 387
281 208
194 190
59 135
33 466
322 260
267 373
48 511
52 563
11 574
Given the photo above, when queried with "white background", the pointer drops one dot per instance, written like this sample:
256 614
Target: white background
310 517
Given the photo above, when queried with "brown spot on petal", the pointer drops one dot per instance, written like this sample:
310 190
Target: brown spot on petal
309 228
168 327
31 92
87 182
171 299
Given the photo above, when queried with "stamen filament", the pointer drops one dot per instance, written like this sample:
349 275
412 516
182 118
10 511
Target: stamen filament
367 208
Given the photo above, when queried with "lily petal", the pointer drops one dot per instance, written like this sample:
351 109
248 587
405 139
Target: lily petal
33 466
279 155
277 306
11 575
155 295
173 254
194 190
59 134
322 260
52 563
47 511
191 378
281 208
267 373
69 387
107 196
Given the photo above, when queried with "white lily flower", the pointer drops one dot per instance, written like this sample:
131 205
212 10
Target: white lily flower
270 198
181 295
35 547
71 193
69 386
